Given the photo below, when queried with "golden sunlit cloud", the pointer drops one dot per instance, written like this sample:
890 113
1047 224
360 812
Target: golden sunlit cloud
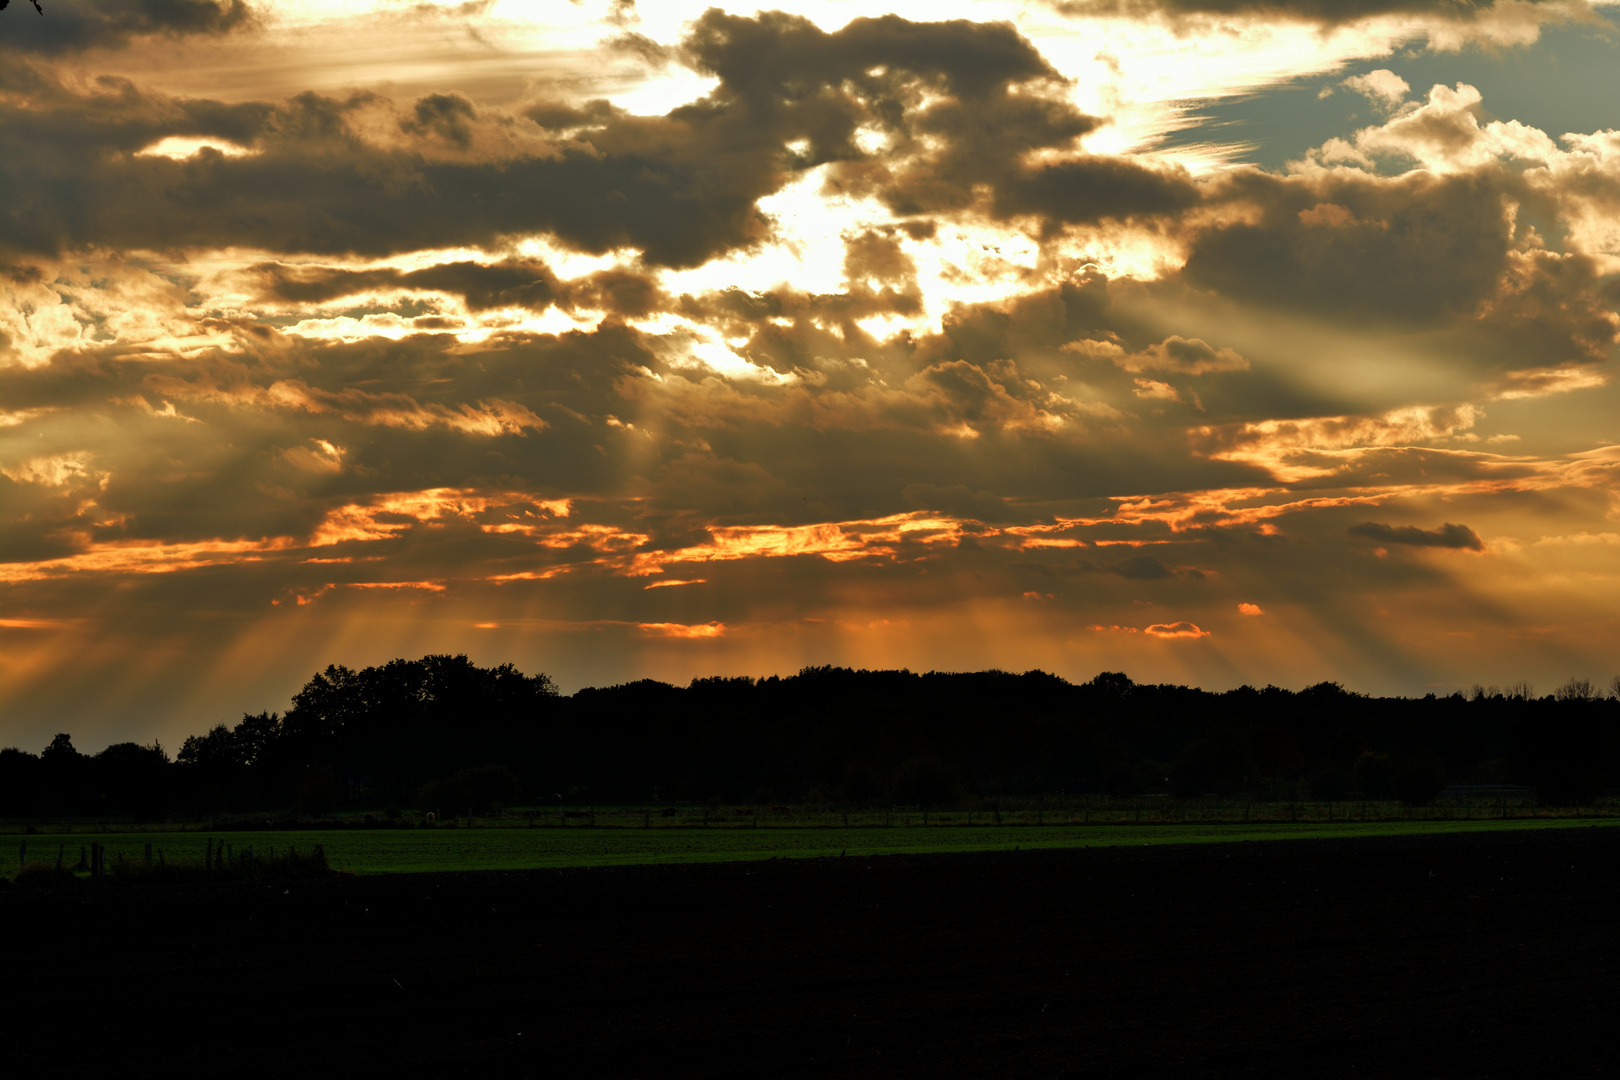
683 630
1175 630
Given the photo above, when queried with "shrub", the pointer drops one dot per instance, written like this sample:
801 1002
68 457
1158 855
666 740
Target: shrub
1419 781
1375 775
1221 761
1331 785
925 781
244 865
318 793
1120 783
43 875
478 789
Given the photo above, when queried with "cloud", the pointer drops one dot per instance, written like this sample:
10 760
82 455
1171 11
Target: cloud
1182 356
55 470
377 177
319 457
1382 87
1175 630
874 329
1156 391
1349 245
113 24
959 501
1338 12
1446 536
1295 450
684 630
1141 568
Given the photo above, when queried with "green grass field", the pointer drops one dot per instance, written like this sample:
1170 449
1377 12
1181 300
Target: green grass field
396 851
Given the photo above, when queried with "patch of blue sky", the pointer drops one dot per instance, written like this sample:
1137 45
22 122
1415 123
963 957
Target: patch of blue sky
1568 81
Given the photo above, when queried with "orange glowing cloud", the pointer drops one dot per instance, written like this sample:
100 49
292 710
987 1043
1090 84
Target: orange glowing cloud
144 557
489 417
431 586
1250 609
834 541
357 521
529 575
1294 450
684 630
1175 630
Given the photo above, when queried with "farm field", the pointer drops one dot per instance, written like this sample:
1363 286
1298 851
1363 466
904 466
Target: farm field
1480 954
403 851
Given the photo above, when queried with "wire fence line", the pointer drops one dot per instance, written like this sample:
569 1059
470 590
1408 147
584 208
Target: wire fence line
1057 811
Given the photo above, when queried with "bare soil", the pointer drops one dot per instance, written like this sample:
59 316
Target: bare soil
1469 955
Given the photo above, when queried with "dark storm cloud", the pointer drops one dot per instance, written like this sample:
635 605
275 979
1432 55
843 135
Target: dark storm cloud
1141 568
793 77
777 59
1446 536
784 65
1414 250
681 188
78 25
961 501
527 283
511 282
1328 12
1353 245
313 185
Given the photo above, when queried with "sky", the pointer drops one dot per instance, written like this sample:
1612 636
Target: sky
1212 341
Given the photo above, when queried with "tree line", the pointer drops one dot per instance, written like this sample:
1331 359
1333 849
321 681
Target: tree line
441 733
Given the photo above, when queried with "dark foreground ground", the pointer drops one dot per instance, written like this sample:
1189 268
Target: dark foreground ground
1482 955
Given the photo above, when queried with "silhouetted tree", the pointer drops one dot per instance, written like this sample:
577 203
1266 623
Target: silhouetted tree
1374 775
1419 781
477 790
135 780
19 782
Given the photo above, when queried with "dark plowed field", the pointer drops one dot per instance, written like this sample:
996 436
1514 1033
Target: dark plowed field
1482 955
